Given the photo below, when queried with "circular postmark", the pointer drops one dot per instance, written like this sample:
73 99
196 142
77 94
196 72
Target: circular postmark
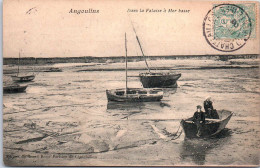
227 27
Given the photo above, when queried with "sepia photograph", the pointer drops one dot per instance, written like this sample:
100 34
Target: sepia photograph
131 83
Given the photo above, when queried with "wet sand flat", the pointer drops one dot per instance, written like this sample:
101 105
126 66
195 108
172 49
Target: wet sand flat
64 119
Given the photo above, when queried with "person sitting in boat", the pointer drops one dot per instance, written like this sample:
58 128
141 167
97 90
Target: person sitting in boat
199 115
210 112
199 119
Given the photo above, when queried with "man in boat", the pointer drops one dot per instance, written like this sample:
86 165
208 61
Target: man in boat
199 119
210 112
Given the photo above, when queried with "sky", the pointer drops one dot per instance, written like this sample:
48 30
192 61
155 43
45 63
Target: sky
37 28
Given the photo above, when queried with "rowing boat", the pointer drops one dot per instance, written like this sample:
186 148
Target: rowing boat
209 128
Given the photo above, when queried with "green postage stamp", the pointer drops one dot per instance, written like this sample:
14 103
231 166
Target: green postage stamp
234 21
227 27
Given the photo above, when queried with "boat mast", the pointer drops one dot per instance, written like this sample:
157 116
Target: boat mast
35 61
125 65
140 47
18 68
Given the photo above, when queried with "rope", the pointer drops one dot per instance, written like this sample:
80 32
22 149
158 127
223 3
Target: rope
174 135
177 130
177 136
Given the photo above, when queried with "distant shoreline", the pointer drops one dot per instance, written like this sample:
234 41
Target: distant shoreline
114 59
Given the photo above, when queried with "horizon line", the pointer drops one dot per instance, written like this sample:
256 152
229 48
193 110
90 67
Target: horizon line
211 55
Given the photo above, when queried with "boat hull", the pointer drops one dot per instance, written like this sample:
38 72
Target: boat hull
210 128
23 78
159 80
53 70
112 96
14 89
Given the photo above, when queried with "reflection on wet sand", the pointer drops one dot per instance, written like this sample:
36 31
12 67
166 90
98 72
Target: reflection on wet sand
169 91
124 106
197 149
128 106
127 109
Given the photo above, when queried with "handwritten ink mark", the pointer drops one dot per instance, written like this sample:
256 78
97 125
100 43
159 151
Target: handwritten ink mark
31 10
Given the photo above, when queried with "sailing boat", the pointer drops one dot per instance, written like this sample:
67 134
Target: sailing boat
133 94
22 78
156 79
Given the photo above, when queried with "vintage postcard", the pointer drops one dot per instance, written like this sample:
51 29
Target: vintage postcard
131 83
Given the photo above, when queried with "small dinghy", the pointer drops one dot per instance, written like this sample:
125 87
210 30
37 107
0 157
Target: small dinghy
209 128
14 88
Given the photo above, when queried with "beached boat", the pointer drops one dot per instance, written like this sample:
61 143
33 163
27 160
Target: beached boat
156 79
209 128
22 78
53 69
133 94
159 80
14 88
